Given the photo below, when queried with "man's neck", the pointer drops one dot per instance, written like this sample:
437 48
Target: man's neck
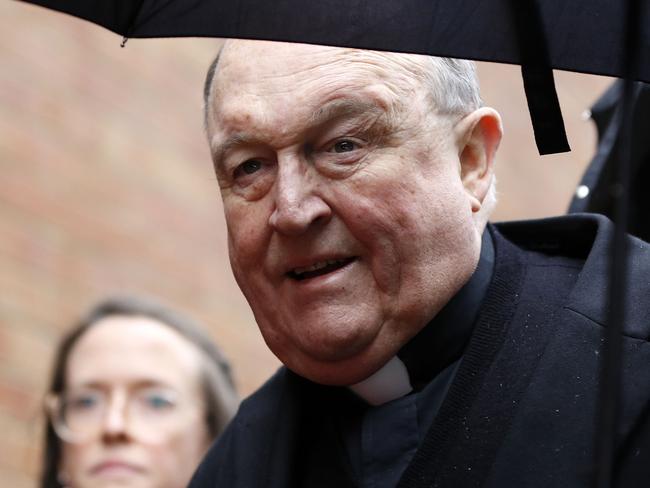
438 344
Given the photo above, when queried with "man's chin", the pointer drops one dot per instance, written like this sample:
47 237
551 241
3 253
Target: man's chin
339 374
338 369
334 351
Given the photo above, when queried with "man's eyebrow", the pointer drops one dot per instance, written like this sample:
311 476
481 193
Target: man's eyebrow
232 142
343 107
335 109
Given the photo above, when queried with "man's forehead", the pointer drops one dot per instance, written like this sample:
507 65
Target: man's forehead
262 79
261 50
263 62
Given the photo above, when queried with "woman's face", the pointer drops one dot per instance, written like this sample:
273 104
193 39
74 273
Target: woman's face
134 407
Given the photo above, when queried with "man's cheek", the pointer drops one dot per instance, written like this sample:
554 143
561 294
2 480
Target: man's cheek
244 238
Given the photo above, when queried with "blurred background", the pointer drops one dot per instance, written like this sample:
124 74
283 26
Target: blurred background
106 186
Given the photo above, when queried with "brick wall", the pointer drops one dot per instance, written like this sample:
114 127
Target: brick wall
106 185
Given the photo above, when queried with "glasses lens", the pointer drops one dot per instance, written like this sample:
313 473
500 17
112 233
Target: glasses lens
77 415
155 412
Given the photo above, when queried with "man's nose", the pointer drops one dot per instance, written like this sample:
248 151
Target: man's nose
298 204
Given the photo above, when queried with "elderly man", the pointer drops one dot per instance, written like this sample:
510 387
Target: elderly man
420 348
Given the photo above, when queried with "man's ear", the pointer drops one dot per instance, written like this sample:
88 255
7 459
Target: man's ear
478 136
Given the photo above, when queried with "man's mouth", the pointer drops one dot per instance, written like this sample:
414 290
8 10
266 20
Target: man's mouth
320 268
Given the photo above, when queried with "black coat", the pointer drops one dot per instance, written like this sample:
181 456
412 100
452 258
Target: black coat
521 409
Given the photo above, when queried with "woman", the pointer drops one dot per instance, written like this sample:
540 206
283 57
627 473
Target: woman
137 395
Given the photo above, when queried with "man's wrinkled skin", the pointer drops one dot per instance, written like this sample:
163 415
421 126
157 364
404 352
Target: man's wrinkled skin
330 156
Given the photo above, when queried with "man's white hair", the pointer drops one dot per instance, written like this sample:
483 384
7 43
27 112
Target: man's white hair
453 85
454 89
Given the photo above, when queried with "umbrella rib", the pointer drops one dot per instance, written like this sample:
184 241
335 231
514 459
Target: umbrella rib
132 23
611 367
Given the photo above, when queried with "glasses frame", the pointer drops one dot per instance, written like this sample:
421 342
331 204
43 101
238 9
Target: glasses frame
53 407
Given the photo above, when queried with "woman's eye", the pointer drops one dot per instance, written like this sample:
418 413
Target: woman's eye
344 146
83 402
158 402
248 167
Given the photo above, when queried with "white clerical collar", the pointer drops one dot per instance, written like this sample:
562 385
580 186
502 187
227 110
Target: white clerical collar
391 381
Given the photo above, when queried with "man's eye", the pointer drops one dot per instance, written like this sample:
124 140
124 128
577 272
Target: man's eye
344 146
248 167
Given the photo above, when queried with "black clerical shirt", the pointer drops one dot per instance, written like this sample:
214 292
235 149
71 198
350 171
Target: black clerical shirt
381 440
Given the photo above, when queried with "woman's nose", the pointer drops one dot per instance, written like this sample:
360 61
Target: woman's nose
114 425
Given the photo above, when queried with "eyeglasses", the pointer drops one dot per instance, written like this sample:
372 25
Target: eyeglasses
148 414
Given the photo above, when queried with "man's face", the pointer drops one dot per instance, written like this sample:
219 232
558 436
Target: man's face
349 225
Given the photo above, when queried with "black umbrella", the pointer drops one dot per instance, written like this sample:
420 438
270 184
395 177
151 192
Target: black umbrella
606 37
586 36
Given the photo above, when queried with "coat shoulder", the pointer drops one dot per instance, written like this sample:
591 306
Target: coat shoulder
584 241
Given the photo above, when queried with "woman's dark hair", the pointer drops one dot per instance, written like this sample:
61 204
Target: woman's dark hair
218 387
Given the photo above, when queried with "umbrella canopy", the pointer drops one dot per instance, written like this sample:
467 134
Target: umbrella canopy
585 36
